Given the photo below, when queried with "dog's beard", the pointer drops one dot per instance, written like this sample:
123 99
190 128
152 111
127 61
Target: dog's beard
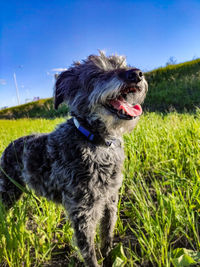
116 104
105 90
111 122
119 98
112 107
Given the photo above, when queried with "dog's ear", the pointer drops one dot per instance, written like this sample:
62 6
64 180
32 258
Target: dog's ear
65 87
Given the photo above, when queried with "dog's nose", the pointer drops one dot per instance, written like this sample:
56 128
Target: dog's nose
134 75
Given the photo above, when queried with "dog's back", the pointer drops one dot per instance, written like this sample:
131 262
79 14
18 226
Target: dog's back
56 169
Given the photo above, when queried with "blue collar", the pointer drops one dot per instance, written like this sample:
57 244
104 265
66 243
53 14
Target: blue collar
84 131
93 138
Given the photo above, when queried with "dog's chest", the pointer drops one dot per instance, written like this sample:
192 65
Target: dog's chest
82 166
103 164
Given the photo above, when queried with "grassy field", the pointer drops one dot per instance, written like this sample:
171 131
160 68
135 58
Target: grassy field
159 207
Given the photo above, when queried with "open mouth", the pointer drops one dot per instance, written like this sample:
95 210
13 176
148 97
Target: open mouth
122 108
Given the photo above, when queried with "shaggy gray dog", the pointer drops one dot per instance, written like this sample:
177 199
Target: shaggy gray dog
79 164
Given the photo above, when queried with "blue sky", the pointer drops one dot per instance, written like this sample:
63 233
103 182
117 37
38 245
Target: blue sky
39 36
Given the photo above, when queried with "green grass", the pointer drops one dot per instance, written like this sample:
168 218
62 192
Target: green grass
158 208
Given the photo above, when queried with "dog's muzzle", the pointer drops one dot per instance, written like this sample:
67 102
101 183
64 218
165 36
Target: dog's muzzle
126 105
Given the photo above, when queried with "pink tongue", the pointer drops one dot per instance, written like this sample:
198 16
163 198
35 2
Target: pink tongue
133 111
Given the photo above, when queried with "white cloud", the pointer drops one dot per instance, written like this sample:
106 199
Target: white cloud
2 82
58 69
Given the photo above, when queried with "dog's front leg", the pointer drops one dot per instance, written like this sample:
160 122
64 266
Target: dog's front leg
107 224
84 223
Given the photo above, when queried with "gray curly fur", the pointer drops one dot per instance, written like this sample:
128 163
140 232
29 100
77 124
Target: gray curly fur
64 166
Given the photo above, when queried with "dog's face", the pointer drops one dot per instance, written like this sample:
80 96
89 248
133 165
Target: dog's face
103 89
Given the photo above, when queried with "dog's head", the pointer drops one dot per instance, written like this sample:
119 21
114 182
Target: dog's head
103 89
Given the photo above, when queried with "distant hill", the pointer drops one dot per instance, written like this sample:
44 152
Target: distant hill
174 87
42 108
